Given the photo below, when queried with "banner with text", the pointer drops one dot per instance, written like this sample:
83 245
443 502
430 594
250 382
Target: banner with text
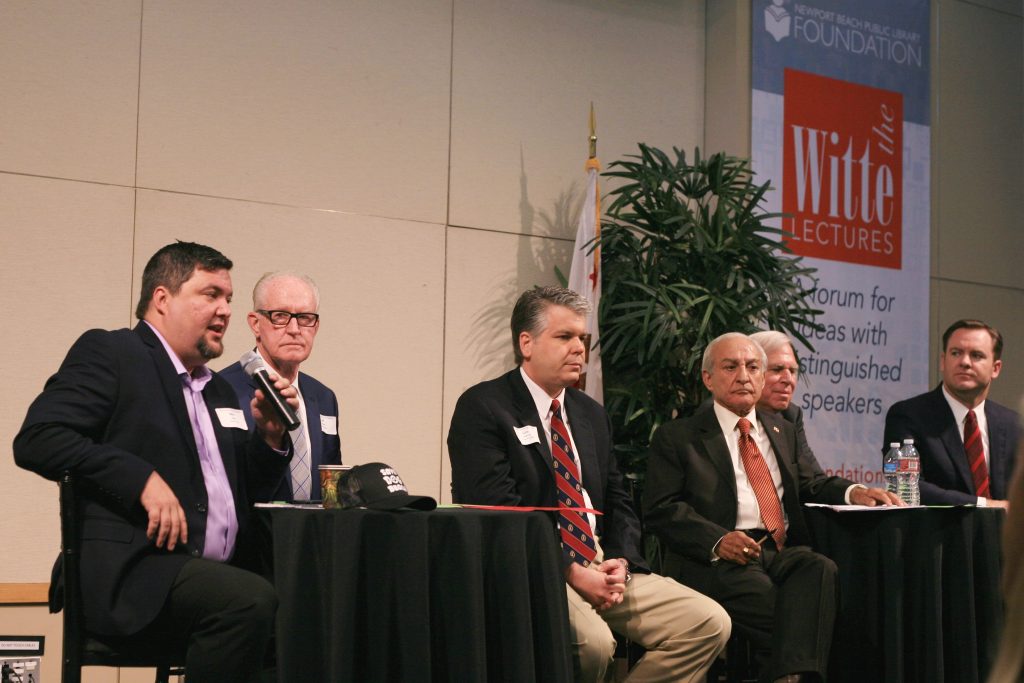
840 125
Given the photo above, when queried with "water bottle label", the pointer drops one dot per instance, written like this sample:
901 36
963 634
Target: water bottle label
890 468
909 465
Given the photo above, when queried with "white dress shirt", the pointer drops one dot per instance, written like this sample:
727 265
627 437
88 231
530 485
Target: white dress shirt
748 514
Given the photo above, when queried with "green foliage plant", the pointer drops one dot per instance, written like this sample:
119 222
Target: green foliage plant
686 256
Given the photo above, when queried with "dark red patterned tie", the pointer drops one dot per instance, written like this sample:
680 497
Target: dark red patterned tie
761 481
976 454
577 536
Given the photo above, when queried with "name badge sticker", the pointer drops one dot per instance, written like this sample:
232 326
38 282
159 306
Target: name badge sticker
329 424
527 435
231 418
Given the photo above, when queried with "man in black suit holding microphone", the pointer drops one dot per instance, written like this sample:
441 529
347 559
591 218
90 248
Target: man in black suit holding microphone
166 472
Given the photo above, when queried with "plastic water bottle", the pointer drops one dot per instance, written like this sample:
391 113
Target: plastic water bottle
891 467
909 472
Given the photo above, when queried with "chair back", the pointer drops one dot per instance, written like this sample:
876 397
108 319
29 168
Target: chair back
74 623
81 649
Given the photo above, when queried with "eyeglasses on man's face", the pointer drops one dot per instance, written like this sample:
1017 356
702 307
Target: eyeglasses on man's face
282 318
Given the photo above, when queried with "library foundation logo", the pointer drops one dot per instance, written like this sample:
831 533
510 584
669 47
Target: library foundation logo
860 34
842 170
777 20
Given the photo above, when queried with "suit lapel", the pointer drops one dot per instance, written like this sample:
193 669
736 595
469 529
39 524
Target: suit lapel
716 448
313 427
170 383
997 456
586 444
784 458
951 439
773 429
526 411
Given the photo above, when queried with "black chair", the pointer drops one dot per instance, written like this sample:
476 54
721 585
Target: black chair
81 648
737 664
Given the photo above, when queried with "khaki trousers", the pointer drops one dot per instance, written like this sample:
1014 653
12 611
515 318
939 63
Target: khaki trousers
682 631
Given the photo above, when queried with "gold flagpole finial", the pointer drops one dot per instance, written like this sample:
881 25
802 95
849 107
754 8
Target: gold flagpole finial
593 133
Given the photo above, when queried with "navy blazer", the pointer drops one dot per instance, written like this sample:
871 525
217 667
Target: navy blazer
491 466
945 475
113 414
690 498
325 448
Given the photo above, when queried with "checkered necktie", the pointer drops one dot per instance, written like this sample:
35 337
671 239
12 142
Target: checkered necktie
577 536
299 465
976 454
761 481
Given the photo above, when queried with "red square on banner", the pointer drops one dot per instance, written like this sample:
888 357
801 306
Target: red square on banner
842 170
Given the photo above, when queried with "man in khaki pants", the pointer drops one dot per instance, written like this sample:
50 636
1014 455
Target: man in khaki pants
529 439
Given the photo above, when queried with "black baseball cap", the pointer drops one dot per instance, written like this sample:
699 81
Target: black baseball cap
377 486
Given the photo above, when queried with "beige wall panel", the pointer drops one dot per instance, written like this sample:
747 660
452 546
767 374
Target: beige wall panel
979 145
488 272
381 285
524 74
70 84
67 268
318 104
999 307
727 100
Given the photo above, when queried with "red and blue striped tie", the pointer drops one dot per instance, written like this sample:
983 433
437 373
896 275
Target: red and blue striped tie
577 536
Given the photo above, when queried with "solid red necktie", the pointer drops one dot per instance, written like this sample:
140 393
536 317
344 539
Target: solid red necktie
976 454
761 481
577 536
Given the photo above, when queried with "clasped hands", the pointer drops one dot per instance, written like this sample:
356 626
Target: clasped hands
602 585
167 525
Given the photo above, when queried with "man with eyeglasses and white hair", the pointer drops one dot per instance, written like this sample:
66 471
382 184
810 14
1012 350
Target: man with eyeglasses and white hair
285 321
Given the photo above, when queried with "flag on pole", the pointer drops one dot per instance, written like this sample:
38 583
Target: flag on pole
585 277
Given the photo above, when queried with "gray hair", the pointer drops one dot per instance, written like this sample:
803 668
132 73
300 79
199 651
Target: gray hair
529 313
260 290
770 340
709 352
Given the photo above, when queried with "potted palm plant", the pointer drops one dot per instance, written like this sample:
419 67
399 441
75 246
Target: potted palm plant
686 255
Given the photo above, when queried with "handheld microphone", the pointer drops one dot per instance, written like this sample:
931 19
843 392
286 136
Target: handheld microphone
254 366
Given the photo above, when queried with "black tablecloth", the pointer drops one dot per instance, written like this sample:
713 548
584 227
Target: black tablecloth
449 595
920 594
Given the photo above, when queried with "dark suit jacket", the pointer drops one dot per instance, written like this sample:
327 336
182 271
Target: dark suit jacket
690 496
113 414
325 449
491 467
945 475
815 485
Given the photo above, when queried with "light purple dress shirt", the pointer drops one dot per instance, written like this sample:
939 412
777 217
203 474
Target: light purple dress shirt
221 521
